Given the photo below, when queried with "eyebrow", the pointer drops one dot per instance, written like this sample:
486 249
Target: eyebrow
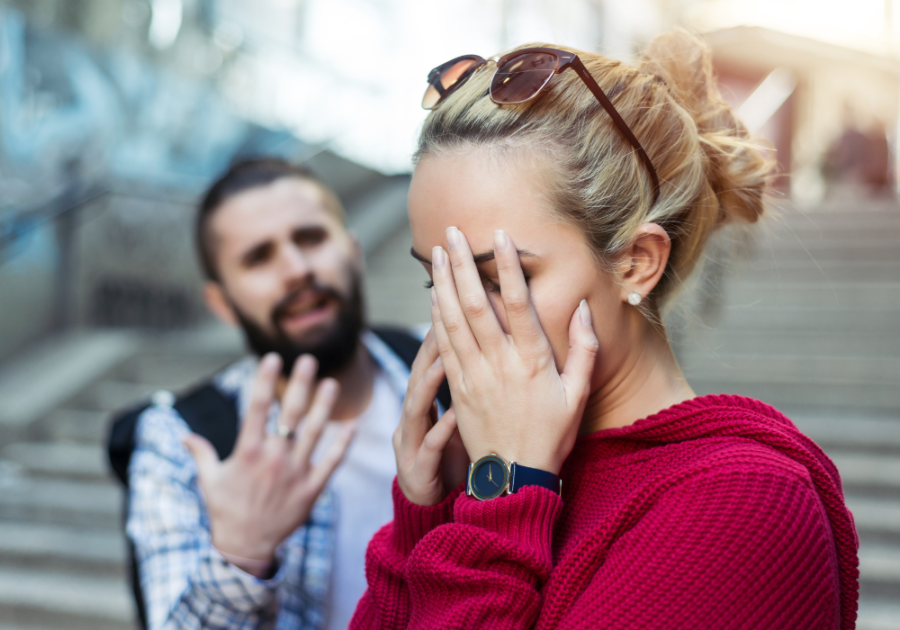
479 258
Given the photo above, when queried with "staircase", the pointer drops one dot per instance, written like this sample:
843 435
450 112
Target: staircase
62 552
809 321
805 317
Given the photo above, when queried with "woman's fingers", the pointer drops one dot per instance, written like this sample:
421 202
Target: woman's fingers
428 352
470 293
521 317
456 327
582 357
416 419
429 457
298 392
253 429
314 421
442 340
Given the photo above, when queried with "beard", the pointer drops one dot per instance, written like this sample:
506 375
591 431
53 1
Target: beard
333 347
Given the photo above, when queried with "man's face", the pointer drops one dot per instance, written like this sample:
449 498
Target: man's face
290 272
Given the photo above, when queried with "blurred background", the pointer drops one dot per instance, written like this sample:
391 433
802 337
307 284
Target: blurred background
115 114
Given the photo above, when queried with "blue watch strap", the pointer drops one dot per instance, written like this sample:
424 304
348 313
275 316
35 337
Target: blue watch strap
520 476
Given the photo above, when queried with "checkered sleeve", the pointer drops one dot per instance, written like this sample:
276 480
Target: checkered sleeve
186 582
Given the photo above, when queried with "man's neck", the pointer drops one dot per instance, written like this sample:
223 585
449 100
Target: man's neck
357 382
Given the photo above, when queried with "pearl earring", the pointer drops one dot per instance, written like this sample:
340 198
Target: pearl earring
634 298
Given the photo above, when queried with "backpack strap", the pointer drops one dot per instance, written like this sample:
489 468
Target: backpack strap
406 346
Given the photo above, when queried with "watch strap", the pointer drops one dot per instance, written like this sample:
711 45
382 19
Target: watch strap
521 476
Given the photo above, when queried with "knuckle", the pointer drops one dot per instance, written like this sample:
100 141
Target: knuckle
474 306
516 303
453 326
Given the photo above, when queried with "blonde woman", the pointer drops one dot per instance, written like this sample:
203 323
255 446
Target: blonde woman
558 201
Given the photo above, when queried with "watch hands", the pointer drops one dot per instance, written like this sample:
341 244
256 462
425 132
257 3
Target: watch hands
491 476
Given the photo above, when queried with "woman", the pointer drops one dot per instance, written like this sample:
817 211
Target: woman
555 224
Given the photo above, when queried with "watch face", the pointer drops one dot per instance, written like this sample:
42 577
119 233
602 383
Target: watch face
489 477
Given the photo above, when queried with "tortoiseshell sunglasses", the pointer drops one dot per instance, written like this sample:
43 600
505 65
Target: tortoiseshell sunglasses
520 76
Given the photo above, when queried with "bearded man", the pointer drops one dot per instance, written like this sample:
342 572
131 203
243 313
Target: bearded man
272 533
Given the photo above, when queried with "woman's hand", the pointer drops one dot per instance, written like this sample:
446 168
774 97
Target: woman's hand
427 468
508 396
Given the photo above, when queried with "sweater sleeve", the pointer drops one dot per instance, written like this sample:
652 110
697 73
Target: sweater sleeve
487 568
385 604
733 548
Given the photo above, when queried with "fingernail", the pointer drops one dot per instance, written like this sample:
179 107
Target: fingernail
270 362
500 240
453 238
307 364
438 258
433 297
585 311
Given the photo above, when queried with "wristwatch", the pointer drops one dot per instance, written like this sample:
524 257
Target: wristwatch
491 477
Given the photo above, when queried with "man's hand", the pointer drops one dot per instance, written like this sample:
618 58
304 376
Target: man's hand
267 487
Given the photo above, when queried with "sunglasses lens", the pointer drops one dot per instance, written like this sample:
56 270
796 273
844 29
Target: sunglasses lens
448 75
520 78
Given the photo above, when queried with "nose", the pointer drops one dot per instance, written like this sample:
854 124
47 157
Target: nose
295 265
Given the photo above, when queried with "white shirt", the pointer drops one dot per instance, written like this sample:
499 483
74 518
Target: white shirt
361 487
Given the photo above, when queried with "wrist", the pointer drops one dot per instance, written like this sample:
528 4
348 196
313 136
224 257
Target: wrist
261 569
252 557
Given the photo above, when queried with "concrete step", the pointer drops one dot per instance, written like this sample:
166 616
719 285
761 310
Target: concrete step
173 371
877 520
879 570
764 319
73 425
799 369
868 295
782 250
872 398
55 599
112 395
857 343
59 459
840 433
807 271
62 502
878 614
99 553
868 474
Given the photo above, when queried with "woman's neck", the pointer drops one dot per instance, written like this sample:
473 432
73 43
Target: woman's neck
646 381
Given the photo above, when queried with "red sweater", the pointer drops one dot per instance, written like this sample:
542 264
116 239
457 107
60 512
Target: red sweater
715 513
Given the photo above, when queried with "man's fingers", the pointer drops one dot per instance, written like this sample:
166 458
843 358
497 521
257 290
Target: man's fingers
203 453
320 474
582 357
315 419
416 419
298 392
253 430
521 317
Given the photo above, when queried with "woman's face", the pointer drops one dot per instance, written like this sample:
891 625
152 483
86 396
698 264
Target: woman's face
479 192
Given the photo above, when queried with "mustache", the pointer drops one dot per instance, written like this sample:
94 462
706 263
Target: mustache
280 309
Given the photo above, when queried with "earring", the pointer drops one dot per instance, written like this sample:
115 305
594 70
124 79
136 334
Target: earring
634 298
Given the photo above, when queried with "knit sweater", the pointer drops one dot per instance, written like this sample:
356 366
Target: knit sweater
714 513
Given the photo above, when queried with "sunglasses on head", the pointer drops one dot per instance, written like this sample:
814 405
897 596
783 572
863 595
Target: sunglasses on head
519 77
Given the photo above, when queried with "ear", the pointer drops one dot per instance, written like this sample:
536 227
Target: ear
644 263
215 299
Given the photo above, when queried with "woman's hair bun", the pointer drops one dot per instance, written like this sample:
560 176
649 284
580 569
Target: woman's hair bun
738 167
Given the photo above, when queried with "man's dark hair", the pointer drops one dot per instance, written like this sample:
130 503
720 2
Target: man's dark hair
242 176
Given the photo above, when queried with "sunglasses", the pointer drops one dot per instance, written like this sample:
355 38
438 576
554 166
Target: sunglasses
520 76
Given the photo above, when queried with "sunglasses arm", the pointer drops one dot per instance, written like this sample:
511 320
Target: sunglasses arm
620 123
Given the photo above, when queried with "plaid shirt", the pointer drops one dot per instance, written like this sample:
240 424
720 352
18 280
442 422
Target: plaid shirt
186 583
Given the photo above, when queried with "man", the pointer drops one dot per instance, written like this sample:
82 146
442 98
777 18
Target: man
253 541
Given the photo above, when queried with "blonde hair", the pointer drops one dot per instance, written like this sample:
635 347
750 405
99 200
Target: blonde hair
711 172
